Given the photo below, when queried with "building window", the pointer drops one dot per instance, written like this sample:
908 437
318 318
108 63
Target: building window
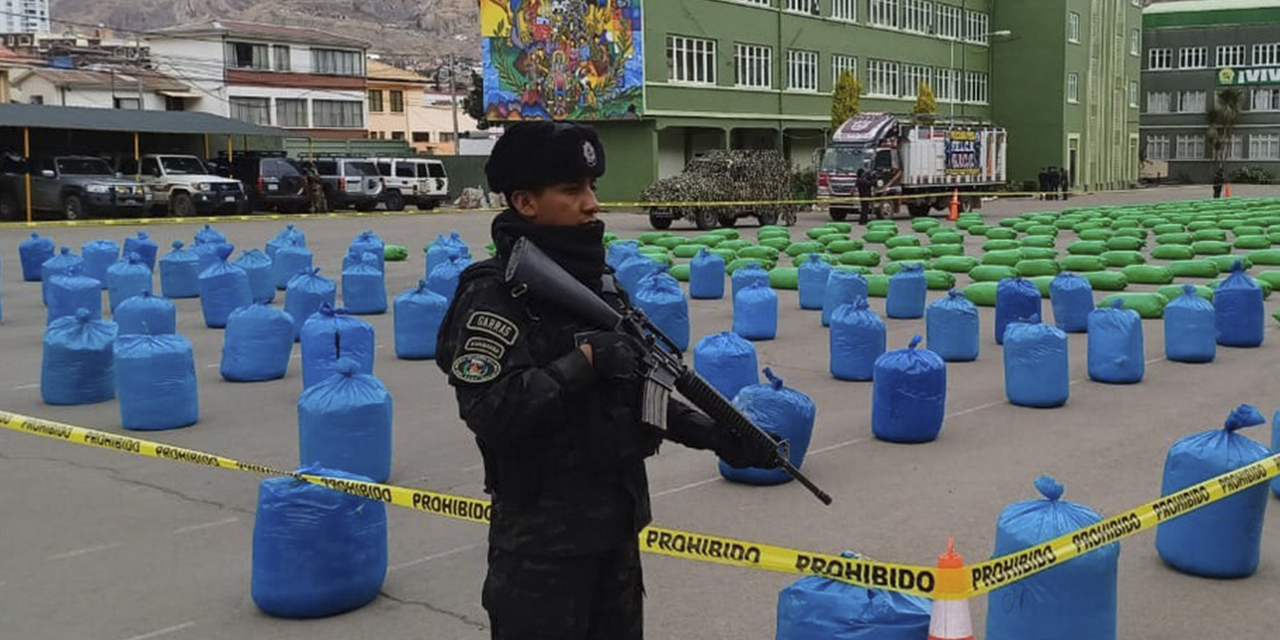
1264 146
752 66
912 76
1135 42
976 87
803 6
1231 56
691 60
175 104
1235 148
397 101
337 114
375 101
35 100
1133 94
1157 147
281 58
950 20
446 136
255 110
844 9
882 78
1193 57
947 85
1266 55
917 16
841 64
1073 27
1159 59
1191 102
397 135
336 63
1189 148
1264 100
422 136
760 2
883 13
291 112
246 55
128 103
976 27
1073 87
1158 102
802 70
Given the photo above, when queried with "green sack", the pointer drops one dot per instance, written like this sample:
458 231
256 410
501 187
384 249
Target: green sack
784 278
1021 226
1269 257
688 250
1042 230
1148 305
1001 245
1042 283
1086 248
1270 277
1082 264
798 248
824 257
842 227
1140 234
882 225
844 246
680 272
1006 258
1194 269
1125 243
1224 262
923 225
1253 242
1173 252
772 231
1154 222
1001 233
1122 258
1147 274
832 237
653 250
671 242
879 237
977 230
1215 235
992 273
1173 291
778 243
902 241
1162 229
1047 242
1038 253
964 224
909 253
937 280
1199 225
938 250
609 236
982 294
1013 222
1173 239
1032 268
1096 235
735 245
709 240
650 237
1248 230
852 268
818 232
763 252
955 264
891 268
1211 248
726 233
860 258
742 262
946 237
664 258
1106 280
395 253
877 286
728 255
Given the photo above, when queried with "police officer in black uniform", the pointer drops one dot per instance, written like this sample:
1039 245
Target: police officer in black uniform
554 407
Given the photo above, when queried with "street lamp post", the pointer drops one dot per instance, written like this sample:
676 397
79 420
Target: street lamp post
957 83
453 90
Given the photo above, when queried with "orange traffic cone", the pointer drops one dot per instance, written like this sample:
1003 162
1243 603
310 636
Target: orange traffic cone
950 619
1227 192
955 205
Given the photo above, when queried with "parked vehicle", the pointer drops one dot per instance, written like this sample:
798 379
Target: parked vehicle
349 183
905 157
723 175
74 187
417 181
13 173
184 186
270 181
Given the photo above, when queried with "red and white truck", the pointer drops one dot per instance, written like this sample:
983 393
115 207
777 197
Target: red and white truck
921 164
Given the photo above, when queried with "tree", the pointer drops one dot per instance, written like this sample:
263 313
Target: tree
1222 118
926 108
473 102
845 99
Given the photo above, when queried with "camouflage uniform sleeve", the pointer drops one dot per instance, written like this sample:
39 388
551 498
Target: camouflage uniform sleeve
503 396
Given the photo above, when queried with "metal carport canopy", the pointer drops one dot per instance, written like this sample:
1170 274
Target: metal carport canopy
128 120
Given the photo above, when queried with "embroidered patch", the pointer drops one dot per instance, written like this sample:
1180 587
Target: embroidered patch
476 368
589 153
494 325
485 346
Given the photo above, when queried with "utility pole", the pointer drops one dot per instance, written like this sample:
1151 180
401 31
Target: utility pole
453 99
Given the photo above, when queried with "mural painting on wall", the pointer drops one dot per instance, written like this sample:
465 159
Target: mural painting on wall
562 59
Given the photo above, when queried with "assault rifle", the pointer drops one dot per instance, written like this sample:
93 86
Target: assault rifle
531 272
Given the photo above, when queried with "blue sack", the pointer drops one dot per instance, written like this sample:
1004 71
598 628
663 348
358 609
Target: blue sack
369 242
209 235
208 253
1072 601
662 300
1115 345
1223 539
307 293
952 328
1239 316
908 292
909 395
63 263
815 607
146 314
344 422
289 261
262 278
257 345
33 254
634 269
444 278
329 336
1072 298
69 292
180 273
78 366
419 312
1016 299
782 412
706 276
443 249
1189 334
727 362
127 278
1037 372
316 551
144 246
857 339
99 256
748 274
364 287
288 236
618 251
813 276
755 312
156 376
843 287
224 288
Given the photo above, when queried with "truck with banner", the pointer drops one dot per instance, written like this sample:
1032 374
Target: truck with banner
910 163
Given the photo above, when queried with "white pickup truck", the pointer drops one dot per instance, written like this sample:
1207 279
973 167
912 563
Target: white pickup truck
185 186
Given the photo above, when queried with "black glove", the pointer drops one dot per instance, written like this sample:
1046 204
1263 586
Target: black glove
616 356
748 451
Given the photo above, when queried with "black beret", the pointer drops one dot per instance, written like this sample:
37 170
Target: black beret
536 154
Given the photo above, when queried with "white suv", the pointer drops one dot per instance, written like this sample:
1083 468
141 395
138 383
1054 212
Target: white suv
416 181
185 185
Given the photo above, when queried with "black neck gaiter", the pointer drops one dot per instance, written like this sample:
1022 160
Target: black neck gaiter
579 249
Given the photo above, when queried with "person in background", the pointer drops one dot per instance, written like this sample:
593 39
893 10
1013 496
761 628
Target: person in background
1218 181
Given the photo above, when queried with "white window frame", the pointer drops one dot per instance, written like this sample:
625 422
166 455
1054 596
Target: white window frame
883 78
253 109
1266 55
1193 58
917 16
1235 147
1263 99
1159 102
1073 88
1073 27
912 76
691 60
759 2
337 114
839 63
286 109
1157 147
1264 146
950 22
1135 42
1189 147
948 89
337 62
1159 59
1229 55
807 7
802 70
844 10
1192 102
883 13
977 27
752 66
975 84
1133 94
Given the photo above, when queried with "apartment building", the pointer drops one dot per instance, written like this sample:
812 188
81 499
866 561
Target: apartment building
24 16
309 81
100 87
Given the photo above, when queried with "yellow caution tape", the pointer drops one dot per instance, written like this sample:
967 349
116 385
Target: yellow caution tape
940 584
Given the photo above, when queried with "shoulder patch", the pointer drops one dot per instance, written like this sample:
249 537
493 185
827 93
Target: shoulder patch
484 345
494 325
476 368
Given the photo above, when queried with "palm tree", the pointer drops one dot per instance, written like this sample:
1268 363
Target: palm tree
1222 118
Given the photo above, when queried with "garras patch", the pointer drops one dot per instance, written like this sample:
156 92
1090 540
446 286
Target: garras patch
494 325
476 368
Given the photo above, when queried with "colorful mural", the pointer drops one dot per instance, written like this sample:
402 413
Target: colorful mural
562 59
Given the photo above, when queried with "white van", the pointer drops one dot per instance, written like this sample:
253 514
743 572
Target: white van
417 181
